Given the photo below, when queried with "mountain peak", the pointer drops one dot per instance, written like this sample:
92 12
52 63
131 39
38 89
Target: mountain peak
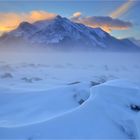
24 24
58 17
60 31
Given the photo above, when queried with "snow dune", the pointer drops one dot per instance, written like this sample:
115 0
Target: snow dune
19 108
79 111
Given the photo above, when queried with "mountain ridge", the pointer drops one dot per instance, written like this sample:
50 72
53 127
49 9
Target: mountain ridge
63 33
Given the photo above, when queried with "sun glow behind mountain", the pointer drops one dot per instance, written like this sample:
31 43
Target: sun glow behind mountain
108 22
17 18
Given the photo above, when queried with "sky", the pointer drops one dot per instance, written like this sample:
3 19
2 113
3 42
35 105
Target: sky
118 17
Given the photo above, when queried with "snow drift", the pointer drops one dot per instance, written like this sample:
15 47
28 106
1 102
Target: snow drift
109 110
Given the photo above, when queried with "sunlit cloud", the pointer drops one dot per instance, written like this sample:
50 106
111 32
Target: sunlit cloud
9 21
37 15
122 9
105 22
76 14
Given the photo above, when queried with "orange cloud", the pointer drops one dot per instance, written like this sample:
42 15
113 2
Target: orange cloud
77 14
105 22
37 15
9 21
122 9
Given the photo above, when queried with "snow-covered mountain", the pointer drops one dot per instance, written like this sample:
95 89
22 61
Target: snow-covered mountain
64 34
135 41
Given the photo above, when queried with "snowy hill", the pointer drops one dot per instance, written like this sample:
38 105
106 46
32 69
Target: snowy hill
108 111
62 33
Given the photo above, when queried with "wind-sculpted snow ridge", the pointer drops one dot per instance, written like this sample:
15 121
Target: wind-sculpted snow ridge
105 111
18 108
